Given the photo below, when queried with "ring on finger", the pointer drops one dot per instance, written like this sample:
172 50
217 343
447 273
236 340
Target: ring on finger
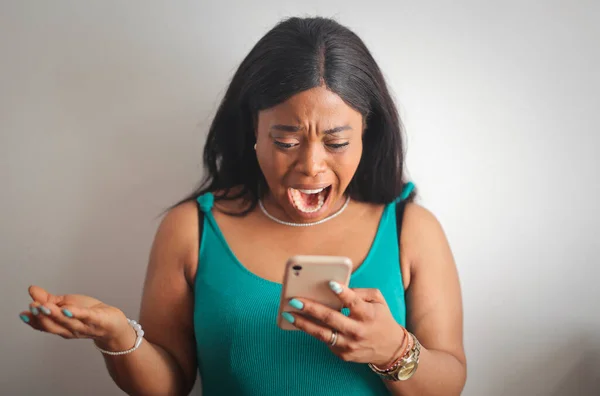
333 339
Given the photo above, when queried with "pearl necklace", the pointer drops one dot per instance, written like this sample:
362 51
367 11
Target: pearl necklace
275 219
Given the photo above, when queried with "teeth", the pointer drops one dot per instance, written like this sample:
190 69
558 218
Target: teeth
318 190
299 202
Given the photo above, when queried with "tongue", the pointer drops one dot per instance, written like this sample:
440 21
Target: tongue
310 199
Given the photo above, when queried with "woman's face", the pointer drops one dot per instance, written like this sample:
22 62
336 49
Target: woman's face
308 149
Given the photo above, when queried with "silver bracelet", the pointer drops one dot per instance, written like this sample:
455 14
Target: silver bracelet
138 341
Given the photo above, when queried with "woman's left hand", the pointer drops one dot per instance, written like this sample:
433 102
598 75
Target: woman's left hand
369 335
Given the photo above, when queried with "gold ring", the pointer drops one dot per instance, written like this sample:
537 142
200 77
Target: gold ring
333 339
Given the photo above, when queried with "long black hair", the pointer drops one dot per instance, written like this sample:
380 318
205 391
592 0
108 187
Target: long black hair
296 55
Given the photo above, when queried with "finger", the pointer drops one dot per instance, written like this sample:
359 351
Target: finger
26 317
82 321
31 320
72 311
87 316
370 295
320 332
64 317
47 324
42 296
34 313
351 300
329 317
94 323
34 308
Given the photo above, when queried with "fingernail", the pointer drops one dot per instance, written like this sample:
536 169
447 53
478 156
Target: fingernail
45 310
34 310
67 313
24 318
287 316
336 287
296 303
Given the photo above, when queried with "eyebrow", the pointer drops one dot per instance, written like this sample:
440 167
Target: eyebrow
292 128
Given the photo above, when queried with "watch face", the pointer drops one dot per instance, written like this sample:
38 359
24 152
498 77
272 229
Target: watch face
407 371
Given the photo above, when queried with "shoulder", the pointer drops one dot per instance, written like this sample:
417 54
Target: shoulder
420 223
422 238
232 201
180 223
177 236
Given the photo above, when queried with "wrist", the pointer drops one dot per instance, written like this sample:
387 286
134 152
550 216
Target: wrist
404 367
122 339
398 347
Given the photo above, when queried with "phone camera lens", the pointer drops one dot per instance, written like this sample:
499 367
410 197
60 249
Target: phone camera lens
297 267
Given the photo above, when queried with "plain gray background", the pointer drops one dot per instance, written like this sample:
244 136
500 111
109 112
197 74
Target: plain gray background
104 107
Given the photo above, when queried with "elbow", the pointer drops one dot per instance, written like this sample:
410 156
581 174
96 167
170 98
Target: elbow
458 370
461 376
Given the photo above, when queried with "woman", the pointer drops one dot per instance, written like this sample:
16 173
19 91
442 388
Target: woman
304 156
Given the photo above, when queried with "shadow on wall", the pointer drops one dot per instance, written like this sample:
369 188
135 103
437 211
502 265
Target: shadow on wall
573 369
583 378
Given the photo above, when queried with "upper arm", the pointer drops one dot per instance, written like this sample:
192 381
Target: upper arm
168 300
434 299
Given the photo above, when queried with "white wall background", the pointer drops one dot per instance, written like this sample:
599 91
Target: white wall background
103 111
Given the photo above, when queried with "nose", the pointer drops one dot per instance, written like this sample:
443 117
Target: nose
311 160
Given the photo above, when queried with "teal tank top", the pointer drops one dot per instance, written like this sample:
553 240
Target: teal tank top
240 348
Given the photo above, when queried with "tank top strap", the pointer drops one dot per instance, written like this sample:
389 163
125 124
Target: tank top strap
206 202
406 191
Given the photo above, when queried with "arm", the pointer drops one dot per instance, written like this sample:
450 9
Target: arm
434 307
370 334
165 362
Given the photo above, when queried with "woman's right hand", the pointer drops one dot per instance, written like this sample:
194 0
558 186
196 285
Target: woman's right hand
78 316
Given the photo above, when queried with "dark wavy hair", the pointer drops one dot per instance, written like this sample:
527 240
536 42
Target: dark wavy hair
294 56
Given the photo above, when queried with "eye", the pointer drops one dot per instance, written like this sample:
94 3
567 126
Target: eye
337 146
284 145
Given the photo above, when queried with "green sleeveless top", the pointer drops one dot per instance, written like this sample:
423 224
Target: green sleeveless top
240 348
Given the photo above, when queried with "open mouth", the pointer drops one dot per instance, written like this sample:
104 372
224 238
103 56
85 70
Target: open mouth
309 201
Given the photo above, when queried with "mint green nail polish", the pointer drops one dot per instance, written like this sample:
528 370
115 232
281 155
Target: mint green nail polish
67 313
24 318
336 287
296 303
45 310
287 316
34 311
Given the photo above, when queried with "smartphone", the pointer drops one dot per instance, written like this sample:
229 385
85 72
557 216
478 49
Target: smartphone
309 277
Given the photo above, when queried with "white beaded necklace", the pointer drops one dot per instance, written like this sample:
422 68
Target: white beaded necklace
275 219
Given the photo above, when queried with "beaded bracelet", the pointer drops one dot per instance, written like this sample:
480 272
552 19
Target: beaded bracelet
138 341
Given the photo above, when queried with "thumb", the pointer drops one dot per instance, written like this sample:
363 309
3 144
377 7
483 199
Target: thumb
41 295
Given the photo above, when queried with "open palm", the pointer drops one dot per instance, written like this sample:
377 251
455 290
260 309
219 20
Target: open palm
72 315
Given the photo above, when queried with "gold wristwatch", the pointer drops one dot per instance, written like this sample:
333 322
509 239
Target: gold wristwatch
405 367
